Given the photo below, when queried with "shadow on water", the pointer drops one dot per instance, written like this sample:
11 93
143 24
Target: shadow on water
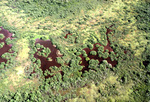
45 63
96 57
6 47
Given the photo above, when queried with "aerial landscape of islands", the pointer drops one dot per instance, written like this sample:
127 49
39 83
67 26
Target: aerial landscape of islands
74 51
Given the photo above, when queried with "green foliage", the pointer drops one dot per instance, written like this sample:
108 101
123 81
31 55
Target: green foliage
146 57
78 53
84 46
38 62
67 79
8 41
37 45
59 8
2 65
100 54
103 29
43 38
112 56
148 67
97 45
103 37
44 51
142 16
93 53
106 50
93 64
78 58
9 27
105 62
87 58
74 50
90 46
2 44
77 40
105 55
83 51
101 48
85 55
2 36
6 55
109 66
59 60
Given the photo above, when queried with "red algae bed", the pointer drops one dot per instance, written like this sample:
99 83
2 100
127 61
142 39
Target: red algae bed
6 47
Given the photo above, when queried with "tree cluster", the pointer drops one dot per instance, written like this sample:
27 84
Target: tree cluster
2 36
59 8
2 44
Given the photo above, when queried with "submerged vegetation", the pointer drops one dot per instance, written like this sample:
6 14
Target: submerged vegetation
74 50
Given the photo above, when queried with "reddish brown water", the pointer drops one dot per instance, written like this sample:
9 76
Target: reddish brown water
6 47
67 35
86 63
45 64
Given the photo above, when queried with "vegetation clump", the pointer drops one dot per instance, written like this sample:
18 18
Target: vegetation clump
2 36
2 44
93 52
59 8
